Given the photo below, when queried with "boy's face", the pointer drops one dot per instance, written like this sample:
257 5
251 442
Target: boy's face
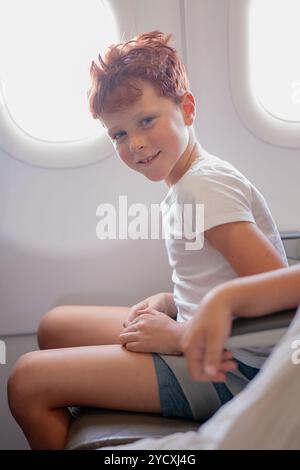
155 128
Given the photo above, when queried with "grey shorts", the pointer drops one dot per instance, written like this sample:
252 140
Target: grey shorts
208 397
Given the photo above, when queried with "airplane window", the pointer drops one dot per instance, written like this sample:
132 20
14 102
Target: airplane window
274 38
45 52
264 68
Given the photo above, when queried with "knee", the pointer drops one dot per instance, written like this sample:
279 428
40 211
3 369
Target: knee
21 384
50 328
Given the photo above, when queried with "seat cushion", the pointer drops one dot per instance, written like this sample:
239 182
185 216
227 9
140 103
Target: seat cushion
93 428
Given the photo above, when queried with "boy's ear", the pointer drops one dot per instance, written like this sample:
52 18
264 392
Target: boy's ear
188 107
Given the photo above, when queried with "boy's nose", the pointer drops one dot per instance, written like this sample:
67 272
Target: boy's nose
137 144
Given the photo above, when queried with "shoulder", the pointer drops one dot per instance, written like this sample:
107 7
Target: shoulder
213 178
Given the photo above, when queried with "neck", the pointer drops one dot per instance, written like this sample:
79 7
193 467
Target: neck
185 161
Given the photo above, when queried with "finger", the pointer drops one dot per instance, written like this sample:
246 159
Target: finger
195 362
137 320
128 337
213 353
128 323
134 309
200 375
133 318
144 311
196 370
227 355
149 310
135 347
228 366
128 320
131 327
195 354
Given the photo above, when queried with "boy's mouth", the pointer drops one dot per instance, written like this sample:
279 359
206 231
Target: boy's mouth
148 160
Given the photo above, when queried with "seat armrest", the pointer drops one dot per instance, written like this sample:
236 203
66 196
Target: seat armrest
260 331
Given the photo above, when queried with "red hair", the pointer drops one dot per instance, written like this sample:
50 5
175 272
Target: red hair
115 79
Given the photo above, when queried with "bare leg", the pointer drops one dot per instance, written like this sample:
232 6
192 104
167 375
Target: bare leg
78 325
44 383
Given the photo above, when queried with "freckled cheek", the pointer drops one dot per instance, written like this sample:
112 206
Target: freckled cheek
159 140
125 154
174 143
171 136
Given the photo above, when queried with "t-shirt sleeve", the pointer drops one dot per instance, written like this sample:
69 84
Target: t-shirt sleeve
225 197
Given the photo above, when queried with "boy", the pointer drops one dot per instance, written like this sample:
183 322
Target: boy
140 94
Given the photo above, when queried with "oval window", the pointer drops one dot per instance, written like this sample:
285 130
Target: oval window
274 39
264 40
46 48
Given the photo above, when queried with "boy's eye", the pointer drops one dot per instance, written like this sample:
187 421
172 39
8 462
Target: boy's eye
147 120
118 135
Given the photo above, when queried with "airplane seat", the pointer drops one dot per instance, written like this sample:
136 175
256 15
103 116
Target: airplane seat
93 428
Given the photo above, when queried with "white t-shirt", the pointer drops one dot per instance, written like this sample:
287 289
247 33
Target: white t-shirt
227 196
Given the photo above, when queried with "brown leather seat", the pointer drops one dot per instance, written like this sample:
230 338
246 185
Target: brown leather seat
93 428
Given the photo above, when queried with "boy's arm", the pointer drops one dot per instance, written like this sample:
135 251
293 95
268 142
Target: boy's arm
245 247
256 295
263 293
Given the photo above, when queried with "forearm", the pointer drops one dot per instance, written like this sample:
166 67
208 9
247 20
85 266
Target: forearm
262 293
170 306
179 329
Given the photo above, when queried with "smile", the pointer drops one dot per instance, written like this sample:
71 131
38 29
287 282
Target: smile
148 160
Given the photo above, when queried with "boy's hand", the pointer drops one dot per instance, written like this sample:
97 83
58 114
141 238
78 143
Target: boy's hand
227 365
161 302
153 331
203 342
